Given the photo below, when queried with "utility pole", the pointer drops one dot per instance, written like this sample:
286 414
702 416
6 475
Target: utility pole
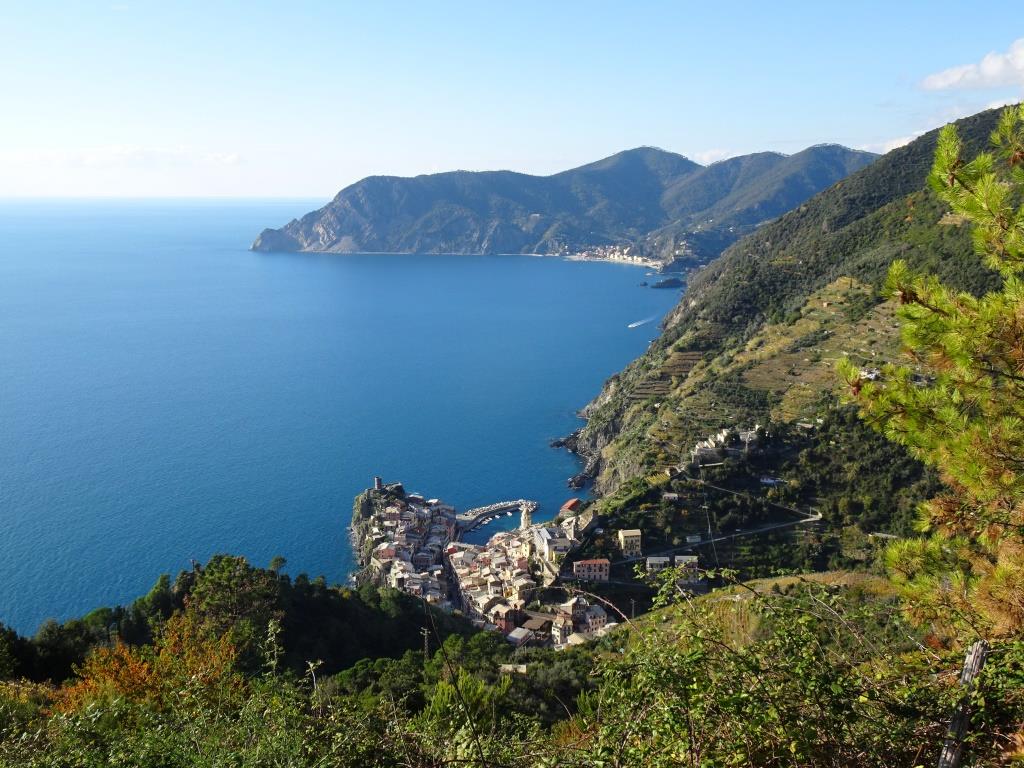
953 746
425 631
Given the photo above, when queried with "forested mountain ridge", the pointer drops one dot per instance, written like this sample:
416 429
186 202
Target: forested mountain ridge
660 201
721 203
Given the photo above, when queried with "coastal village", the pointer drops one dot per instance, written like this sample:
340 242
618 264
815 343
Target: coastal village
414 544
623 254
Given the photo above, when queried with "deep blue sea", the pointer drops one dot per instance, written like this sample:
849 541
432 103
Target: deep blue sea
166 395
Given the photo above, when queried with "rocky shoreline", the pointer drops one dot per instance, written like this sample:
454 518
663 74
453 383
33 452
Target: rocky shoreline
603 416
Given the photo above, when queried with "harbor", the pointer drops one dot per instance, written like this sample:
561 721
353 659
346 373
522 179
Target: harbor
413 543
480 516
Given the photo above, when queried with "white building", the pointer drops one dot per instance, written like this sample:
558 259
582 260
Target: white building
519 636
655 564
551 542
629 542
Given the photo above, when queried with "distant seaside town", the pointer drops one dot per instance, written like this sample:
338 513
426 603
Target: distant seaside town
620 253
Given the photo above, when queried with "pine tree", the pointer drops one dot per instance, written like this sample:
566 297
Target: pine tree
959 402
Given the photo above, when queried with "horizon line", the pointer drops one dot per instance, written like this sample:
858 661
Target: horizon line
8 198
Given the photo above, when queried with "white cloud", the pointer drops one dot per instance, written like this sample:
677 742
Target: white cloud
709 156
995 70
881 147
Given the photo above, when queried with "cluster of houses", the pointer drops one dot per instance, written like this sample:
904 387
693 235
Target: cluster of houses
622 253
726 442
411 544
599 569
494 583
574 622
408 537
493 579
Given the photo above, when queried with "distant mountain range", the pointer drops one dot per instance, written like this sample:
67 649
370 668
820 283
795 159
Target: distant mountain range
662 203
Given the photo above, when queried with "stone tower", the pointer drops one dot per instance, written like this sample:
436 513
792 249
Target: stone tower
525 517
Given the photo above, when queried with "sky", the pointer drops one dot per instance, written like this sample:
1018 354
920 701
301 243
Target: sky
299 99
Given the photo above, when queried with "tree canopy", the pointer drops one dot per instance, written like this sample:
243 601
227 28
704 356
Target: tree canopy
957 403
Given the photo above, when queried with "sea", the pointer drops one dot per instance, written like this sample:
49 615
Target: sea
166 394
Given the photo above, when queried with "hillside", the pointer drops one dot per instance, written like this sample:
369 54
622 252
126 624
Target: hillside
663 202
815 670
719 204
333 626
756 336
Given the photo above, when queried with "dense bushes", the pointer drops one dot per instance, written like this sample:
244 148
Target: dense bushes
333 626
802 675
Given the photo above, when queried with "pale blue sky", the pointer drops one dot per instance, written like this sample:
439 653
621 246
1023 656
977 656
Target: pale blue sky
299 99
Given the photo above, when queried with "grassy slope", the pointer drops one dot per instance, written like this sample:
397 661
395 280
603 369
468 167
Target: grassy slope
732 604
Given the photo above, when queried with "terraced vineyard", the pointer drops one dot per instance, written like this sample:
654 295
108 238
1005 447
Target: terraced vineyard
667 376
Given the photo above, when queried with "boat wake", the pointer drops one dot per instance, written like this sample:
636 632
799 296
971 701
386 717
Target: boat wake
638 323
